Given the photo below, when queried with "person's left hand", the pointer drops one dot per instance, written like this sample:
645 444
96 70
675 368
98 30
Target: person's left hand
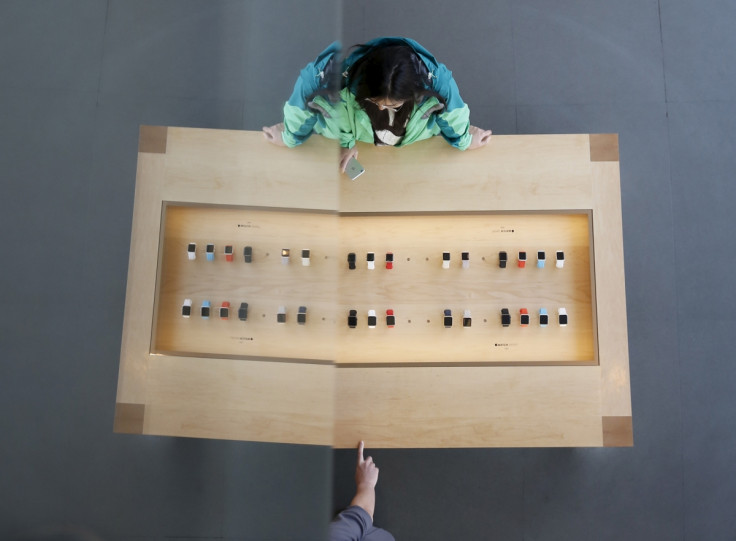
480 137
272 134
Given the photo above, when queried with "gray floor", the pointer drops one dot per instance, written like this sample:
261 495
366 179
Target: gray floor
77 77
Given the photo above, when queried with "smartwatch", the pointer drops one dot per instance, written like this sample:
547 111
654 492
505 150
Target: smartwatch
466 260
186 308
243 311
560 259
522 260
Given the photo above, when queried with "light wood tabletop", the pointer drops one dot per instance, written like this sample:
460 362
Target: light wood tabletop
413 248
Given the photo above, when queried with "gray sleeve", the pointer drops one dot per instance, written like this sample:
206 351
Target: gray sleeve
350 525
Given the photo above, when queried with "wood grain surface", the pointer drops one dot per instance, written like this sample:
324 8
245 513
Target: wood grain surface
405 389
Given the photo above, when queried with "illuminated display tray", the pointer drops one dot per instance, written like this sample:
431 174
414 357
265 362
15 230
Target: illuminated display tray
472 265
270 298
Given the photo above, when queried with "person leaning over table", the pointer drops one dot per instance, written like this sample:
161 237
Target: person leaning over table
389 91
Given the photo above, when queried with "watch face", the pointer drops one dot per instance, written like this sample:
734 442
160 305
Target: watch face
281 318
505 320
305 253
210 248
389 257
228 249
371 321
502 256
390 320
465 256
285 252
445 256
563 319
186 311
224 312
560 255
543 319
540 255
352 321
448 321
371 256
522 255
205 311
467 322
301 318
525 319
191 248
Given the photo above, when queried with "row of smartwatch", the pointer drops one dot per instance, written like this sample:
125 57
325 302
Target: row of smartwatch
229 254
370 258
467 320
503 258
223 311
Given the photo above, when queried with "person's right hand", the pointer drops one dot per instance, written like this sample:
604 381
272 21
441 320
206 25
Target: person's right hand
272 134
366 473
345 155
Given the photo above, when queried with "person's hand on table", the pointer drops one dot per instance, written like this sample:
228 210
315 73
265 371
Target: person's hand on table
480 137
272 134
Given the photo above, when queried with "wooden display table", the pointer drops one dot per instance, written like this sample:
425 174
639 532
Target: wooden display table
372 309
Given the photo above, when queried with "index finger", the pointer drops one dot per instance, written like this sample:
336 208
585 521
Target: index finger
361 446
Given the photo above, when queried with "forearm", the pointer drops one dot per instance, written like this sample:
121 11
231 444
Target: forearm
365 497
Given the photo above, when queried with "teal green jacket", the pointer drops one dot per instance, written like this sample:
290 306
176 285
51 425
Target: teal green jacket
311 110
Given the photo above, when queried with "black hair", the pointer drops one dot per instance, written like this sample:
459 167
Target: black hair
392 71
